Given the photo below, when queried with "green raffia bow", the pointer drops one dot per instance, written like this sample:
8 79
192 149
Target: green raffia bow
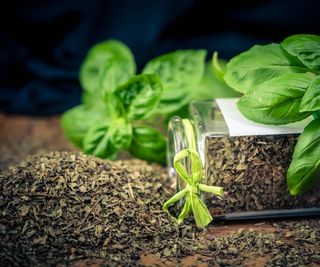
192 190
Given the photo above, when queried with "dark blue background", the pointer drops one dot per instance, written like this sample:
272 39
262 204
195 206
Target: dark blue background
42 43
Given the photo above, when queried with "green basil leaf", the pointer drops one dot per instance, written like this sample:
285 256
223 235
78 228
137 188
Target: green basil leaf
211 87
140 95
149 144
105 138
179 72
276 101
259 64
172 105
305 47
304 170
107 65
114 106
218 66
93 100
76 122
311 99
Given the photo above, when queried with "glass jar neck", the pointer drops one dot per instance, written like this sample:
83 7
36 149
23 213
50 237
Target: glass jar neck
181 135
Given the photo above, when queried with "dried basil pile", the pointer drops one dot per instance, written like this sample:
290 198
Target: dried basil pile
71 209
296 244
60 207
252 171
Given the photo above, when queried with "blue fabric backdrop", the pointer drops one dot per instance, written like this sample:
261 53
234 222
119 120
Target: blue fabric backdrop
42 43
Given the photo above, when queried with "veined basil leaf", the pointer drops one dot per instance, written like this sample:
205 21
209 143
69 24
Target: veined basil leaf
305 47
140 95
179 72
114 106
259 64
115 74
148 143
107 65
311 99
170 106
76 122
105 138
304 170
276 101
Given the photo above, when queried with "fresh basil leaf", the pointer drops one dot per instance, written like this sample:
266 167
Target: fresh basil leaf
107 65
179 72
170 106
76 122
140 95
305 47
105 138
276 101
149 144
311 99
218 66
211 87
304 171
93 99
259 64
114 106
115 74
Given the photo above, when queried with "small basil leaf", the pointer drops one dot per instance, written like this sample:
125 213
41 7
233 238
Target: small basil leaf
149 144
304 170
311 99
276 101
105 138
305 47
179 72
140 95
218 66
114 106
259 64
76 122
107 65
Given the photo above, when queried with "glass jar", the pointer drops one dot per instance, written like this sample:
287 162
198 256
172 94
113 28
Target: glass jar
250 168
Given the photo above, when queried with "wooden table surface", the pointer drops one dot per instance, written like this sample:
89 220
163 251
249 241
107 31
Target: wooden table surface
21 136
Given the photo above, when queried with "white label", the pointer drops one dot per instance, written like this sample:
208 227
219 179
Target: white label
238 125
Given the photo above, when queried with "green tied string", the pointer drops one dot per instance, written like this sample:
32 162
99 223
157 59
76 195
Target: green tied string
192 190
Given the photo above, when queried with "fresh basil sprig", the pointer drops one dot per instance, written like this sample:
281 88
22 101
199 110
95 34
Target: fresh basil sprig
114 98
281 84
106 128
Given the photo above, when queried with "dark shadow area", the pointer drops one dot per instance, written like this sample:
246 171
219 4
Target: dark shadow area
42 43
